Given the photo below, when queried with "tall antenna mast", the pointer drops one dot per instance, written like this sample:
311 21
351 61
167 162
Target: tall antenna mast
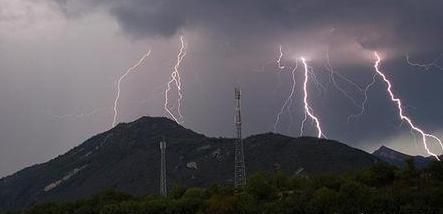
163 190
239 168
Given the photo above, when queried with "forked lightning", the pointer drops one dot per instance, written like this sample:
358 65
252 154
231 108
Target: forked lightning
119 81
425 136
176 81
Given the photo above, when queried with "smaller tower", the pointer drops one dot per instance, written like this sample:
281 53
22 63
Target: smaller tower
239 168
163 190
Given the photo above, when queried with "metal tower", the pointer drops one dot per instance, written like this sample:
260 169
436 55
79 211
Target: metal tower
240 169
163 190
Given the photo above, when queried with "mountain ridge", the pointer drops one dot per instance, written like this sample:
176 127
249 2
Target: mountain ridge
398 159
127 158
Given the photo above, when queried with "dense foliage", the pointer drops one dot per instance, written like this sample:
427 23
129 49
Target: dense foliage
379 189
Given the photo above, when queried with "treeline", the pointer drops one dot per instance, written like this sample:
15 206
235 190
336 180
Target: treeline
379 189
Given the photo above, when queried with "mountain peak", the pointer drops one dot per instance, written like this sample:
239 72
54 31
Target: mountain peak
145 120
127 158
387 152
397 158
384 149
152 126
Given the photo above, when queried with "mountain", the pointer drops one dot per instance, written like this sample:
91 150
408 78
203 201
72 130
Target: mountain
398 159
127 158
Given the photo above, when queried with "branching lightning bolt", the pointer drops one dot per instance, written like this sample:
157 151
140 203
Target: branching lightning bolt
307 108
403 117
288 101
363 91
427 66
280 66
332 77
321 87
365 99
175 78
117 97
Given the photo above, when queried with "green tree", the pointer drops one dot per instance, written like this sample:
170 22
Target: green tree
260 187
435 170
324 200
378 175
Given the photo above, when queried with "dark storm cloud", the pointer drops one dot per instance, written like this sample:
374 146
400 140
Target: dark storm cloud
409 24
72 62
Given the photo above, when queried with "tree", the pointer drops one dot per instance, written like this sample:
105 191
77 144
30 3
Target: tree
378 175
260 187
435 169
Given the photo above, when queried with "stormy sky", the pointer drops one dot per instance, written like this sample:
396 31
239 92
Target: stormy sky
60 60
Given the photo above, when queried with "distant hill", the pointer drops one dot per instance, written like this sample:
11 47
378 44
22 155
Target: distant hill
398 159
127 158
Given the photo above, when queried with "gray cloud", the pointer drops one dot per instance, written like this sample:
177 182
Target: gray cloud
395 24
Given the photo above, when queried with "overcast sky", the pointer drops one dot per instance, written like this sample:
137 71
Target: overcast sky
60 60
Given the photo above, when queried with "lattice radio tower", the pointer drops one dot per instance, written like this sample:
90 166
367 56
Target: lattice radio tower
163 190
239 168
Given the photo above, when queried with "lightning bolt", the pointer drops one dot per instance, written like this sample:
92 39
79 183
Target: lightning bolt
403 117
288 101
427 66
117 97
175 78
307 108
363 91
319 85
332 77
280 66
365 99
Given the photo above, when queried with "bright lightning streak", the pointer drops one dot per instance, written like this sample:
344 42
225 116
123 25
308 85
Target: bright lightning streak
280 66
175 78
427 66
288 101
117 97
397 101
308 110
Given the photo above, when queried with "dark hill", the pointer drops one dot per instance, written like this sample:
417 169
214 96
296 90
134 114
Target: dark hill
127 158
